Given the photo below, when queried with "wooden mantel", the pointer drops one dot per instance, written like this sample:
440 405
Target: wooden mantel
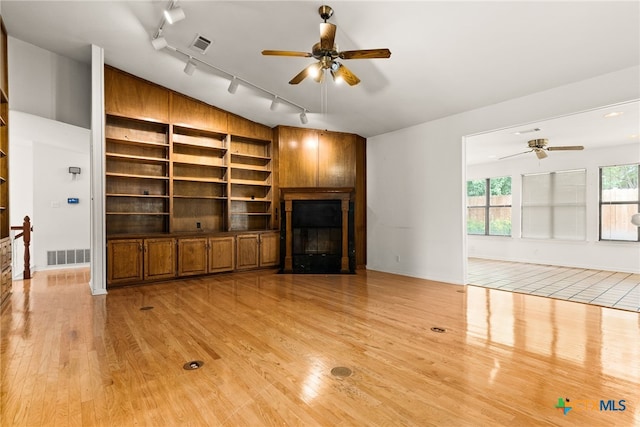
344 194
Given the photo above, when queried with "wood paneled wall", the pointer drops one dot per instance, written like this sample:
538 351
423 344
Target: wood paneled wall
318 158
301 157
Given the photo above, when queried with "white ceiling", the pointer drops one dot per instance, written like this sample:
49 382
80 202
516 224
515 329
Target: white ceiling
447 57
591 129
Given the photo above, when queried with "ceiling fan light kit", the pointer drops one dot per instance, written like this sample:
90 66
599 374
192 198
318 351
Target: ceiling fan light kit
539 146
327 55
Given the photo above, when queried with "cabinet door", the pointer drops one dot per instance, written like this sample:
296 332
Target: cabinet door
124 261
269 245
159 258
247 251
192 256
221 254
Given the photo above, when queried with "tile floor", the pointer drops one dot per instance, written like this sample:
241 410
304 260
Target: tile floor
604 288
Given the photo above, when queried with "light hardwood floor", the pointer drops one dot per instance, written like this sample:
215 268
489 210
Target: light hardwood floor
269 343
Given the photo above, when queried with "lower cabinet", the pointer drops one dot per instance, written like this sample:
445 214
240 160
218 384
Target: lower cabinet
131 261
205 255
5 268
192 256
222 254
257 250
269 249
124 261
159 258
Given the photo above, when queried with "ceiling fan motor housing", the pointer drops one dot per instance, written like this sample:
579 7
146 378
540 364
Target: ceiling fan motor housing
325 12
538 143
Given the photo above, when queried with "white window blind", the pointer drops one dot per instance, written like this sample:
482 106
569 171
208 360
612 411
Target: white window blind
554 205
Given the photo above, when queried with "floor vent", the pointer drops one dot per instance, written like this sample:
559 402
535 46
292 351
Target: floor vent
68 256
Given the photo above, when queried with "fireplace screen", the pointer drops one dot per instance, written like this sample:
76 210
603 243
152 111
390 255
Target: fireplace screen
317 236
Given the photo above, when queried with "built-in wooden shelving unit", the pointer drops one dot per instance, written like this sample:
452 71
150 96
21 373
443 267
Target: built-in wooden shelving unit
5 241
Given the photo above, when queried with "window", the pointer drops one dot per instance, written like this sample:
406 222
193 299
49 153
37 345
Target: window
489 206
619 199
554 205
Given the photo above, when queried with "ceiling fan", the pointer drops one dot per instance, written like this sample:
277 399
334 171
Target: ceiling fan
327 55
539 146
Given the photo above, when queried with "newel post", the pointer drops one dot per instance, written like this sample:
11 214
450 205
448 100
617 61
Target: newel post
26 235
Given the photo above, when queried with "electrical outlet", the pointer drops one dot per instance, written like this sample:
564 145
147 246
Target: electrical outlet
397 258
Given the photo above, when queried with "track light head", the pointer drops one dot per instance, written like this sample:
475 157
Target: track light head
159 43
233 86
274 103
303 117
174 15
190 67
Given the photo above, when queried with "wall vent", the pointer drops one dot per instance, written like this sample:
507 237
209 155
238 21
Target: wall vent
68 256
200 44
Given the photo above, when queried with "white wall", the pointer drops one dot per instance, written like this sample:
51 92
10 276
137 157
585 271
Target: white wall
48 85
40 183
614 256
416 176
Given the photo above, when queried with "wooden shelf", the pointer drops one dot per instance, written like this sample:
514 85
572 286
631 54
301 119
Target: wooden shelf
200 197
196 145
184 160
251 156
250 182
138 142
191 179
152 196
125 175
194 163
251 213
263 169
136 158
139 213
249 199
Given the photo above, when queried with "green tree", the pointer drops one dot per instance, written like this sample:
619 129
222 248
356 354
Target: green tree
500 186
476 187
625 176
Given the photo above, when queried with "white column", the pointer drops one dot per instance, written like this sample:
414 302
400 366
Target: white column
98 282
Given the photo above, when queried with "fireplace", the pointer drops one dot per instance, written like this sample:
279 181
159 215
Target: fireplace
317 231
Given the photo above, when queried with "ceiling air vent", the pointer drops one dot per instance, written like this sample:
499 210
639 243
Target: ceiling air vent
200 44
522 132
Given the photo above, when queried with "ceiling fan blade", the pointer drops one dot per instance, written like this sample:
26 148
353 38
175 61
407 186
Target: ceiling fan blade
311 70
365 54
327 35
540 153
566 147
513 155
286 53
345 74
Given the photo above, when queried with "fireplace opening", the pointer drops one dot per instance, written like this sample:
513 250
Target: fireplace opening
316 227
